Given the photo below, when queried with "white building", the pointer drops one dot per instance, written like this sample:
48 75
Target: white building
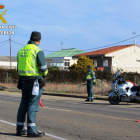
5 62
63 58
125 57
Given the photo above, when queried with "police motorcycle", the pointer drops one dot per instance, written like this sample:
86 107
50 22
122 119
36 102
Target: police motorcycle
124 91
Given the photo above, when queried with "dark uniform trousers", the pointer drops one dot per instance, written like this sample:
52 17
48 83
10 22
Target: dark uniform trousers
90 90
29 104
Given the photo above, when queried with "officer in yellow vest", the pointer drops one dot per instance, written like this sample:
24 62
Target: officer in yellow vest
31 67
90 81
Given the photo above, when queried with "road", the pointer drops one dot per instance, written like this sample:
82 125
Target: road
74 119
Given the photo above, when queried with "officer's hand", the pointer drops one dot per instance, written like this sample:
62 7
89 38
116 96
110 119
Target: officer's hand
94 81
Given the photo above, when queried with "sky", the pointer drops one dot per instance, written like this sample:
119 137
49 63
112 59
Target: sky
82 24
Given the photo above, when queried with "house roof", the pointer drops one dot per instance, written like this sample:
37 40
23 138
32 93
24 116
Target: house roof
105 51
7 58
65 53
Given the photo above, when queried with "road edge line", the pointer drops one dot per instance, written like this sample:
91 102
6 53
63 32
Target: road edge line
47 134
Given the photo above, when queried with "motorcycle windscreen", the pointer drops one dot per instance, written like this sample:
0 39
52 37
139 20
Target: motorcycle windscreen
118 74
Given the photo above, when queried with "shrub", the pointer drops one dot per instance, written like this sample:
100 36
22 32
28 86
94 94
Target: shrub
104 75
82 64
72 76
53 68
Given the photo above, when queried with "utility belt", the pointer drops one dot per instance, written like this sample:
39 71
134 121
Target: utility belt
93 80
89 79
31 82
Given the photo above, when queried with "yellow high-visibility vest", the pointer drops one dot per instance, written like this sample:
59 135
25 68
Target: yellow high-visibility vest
27 62
89 76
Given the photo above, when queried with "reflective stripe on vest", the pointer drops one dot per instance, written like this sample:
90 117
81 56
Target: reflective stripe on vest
27 71
33 58
27 63
42 67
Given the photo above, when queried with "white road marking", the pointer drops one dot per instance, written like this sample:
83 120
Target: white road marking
8 122
55 136
57 109
47 134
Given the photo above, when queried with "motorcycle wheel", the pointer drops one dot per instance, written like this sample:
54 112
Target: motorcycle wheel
114 100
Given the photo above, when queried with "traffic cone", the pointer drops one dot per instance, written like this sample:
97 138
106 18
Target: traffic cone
40 103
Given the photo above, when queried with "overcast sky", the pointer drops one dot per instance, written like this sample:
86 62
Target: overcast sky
81 24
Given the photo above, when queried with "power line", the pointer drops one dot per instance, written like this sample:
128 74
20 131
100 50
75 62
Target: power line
88 49
17 43
115 43
4 41
102 46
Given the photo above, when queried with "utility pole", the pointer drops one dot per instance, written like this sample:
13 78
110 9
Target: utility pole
10 51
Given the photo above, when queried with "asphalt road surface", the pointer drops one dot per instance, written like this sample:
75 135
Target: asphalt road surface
74 119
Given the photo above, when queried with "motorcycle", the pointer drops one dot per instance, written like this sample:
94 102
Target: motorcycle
124 91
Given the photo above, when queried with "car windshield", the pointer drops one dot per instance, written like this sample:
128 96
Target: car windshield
118 74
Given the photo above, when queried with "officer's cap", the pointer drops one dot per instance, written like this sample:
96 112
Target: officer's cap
35 36
89 66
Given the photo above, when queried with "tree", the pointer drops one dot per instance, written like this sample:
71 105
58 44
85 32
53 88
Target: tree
82 64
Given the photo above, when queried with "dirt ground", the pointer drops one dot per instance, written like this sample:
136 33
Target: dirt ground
102 87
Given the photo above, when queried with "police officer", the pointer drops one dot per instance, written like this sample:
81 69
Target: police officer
31 66
90 81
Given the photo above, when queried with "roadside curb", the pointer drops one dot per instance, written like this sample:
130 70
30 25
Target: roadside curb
83 96
97 97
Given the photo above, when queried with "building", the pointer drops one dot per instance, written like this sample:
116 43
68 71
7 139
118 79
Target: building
126 57
63 58
5 62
